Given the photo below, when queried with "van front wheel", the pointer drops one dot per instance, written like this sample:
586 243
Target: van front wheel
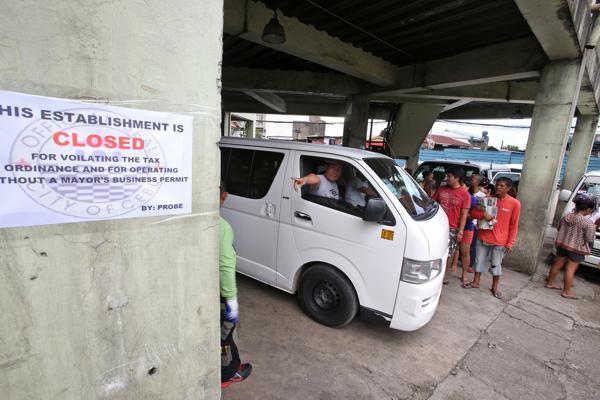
327 296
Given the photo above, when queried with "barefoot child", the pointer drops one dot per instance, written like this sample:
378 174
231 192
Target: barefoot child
574 240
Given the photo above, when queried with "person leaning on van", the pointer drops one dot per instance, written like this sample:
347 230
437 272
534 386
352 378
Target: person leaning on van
325 184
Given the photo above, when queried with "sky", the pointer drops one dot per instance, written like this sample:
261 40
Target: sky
501 131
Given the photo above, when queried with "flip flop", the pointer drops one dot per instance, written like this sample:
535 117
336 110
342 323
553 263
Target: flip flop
570 296
553 287
496 294
466 285
446 281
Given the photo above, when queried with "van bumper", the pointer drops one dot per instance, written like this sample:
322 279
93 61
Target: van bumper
416 304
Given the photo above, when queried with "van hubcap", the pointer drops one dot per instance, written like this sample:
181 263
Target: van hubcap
326 296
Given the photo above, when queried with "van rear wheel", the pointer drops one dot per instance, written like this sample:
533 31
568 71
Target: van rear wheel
327 296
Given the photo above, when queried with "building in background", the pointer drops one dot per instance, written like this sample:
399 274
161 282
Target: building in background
440 142
314 128
480 143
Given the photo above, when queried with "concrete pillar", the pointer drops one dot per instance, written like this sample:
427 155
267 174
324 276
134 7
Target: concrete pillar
226 123
249 129
356 122
129 308
412 162
579 152
552 115
579 156
411 125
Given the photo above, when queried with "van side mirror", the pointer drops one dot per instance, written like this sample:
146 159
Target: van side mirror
375 210
564 195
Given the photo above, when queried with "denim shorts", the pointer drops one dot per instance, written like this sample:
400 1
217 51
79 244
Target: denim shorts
562 252
483 255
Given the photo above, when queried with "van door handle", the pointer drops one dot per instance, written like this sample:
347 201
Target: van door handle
302 215
270 210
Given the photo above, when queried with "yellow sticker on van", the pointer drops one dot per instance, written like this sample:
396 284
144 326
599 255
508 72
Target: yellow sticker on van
387 234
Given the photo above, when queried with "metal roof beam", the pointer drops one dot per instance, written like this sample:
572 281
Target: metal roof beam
562 27
521 59
456 104
246 19
270 100
495 92
551 23
292 82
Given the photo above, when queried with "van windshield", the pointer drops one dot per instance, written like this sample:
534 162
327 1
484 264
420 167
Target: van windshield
407 191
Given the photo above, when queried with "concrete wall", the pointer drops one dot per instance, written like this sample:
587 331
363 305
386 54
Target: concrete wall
124 309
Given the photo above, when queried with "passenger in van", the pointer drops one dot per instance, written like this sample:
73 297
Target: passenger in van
358 191
456 202
323 185
574 241
232 370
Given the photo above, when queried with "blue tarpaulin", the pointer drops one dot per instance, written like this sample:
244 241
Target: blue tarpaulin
496 157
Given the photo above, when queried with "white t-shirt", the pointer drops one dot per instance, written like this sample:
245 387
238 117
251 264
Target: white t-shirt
325 189
353 195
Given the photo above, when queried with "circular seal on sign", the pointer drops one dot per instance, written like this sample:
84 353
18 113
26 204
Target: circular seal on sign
88 170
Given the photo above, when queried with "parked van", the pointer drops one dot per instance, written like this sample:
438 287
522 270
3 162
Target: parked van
589 183
385 257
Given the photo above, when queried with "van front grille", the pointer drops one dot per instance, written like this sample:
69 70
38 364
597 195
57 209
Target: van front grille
595 252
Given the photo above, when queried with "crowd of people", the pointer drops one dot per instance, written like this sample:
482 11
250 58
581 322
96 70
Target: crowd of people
479 235
492 241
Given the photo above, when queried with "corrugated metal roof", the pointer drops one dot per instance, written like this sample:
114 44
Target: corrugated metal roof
408 31
447 141
242 53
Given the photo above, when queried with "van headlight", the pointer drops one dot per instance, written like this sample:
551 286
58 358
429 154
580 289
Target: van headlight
420 271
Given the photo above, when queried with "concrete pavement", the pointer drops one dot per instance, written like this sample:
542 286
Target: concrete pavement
533 345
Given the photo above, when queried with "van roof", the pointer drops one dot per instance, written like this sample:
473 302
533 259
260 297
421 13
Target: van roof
292 145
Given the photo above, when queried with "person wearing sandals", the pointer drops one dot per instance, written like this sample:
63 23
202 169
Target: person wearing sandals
464 247
573 242
456 202
499 240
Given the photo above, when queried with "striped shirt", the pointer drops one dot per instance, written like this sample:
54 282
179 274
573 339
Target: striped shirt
575 233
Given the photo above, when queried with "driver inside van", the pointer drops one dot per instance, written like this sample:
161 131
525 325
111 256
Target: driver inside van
325 184
358 191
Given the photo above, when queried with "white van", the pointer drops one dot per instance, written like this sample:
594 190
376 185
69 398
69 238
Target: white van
589 183
386 257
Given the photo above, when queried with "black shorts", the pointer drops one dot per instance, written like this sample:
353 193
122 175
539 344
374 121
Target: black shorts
562 252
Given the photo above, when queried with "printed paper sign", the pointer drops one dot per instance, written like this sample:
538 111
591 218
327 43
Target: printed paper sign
66 161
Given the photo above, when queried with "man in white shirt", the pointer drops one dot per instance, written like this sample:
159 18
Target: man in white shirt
323 185
357 192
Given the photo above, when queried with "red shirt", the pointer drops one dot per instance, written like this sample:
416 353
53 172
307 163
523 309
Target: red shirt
504 231
452 201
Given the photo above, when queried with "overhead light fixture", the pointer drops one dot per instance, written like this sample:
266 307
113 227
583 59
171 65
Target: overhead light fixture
273 32
518 114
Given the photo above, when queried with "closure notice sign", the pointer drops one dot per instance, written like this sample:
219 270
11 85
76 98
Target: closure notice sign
66 161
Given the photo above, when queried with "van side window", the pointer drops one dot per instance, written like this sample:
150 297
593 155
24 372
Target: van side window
249 173
347 191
